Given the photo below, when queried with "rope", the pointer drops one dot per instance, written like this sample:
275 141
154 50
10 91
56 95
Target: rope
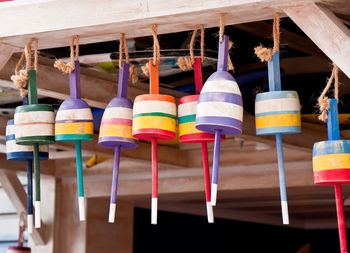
74 56
323 100
186 63
221 34
265 54
20 77
132 69
156 49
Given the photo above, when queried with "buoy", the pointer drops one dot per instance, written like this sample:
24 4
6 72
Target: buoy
21 153
331 165
154 118
34 125
74 123
219 109
116 131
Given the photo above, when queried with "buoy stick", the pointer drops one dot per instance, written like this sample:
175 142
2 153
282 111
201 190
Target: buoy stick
210 214
33 99
154 205
333 134
30 196
80 180
216 160
275 85
114 188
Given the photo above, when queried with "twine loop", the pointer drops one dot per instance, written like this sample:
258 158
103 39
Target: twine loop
221 37
323 100
20 77
132 69
74 56
156 50
186 63
265 54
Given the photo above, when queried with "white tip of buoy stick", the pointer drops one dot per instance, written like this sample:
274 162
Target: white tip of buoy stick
210 213
154 211
37 214
214 192
30 223
285 216
111 217
81 208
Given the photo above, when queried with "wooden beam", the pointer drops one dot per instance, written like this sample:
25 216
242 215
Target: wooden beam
6 52
18 197
82 17
326 30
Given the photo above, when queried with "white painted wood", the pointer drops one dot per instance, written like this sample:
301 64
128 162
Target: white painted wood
83 17
6 52
326 31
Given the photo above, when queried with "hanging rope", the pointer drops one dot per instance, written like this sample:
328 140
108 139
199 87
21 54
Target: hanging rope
265 54
22 227
20 77
323 100
186 63
221 34
156 49
74 56
132 69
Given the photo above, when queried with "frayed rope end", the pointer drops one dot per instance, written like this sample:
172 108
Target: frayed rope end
20 81
263 53
185 63
145 69
133 74
324 106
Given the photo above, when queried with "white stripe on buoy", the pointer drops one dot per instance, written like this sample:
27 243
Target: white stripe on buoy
210 213
111 213
285 216
214 192
30 223
37 214
154 210
81 208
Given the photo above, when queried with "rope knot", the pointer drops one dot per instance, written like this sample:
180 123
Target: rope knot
20 81
67 68
64 67
263 53
185 63
324 107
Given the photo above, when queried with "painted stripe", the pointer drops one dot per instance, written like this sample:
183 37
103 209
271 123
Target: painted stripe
41 140
154 98
277 105
154 106
25 156
74 137
120 102
276 113
277 95
188 128
331 162
73 121
219 109
33 108
72 103
186 119
159 114
116 139
282 129
278 120
220 97
154 122
221 86
331 147
74 114
328 177
187 109
117 112
188 99
228 125
114 121
74 128
116 130
11 146
34 130
10 129
33 117
149 133
10 137
199 137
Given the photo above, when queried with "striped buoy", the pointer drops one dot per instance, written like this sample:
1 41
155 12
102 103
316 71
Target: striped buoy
18 249
154 118
220 109
74 122
277 112
116 130
34 125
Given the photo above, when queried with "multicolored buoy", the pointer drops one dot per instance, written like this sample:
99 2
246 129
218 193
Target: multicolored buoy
116 131
34 125
331 166
21 153
278 112
74 123
154 118
220 108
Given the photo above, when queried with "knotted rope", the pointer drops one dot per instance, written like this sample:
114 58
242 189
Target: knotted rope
156 49
186 63
20 77
70 66
265 54
323 100
132 68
